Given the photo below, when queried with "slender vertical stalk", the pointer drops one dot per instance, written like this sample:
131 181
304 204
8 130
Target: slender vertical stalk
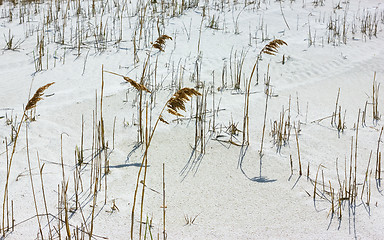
43 192
298 152
265 111
246 107
173 105
378 167
145 170
33 189
10 164
164 206
140 169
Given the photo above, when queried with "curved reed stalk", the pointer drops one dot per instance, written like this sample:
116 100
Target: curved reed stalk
30 105
271 49
173 105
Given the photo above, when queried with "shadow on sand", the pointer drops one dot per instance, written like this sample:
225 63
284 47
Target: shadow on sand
260 178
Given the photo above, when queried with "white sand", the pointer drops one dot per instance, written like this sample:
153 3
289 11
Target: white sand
228 200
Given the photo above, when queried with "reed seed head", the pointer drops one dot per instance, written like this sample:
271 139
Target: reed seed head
160 41
37 97
272 47
136 85
178 100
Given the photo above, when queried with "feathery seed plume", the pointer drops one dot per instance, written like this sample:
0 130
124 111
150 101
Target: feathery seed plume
178 100
37 96
160 41
136 85
272 46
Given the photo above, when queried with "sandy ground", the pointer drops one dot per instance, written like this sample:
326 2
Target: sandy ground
229 192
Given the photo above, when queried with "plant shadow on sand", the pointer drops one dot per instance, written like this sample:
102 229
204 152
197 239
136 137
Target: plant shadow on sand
127 164
260 178
192 164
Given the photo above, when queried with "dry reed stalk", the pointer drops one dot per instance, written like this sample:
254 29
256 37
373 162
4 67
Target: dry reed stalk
322 176
340 201
333 120
164 206
103 142
314 189
364 116
267 93
140 106
30 105
13 219
66 219
59 212
113 133
369 189
366 175
356 141
350 173
378 163
76 185
101 108
375 99
82 140
138 86
271 49
379 177
297 103
64 189
32 187
174 104
92 150
298 152
198 43
285 20
43 192
145 170
5 203
93 208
